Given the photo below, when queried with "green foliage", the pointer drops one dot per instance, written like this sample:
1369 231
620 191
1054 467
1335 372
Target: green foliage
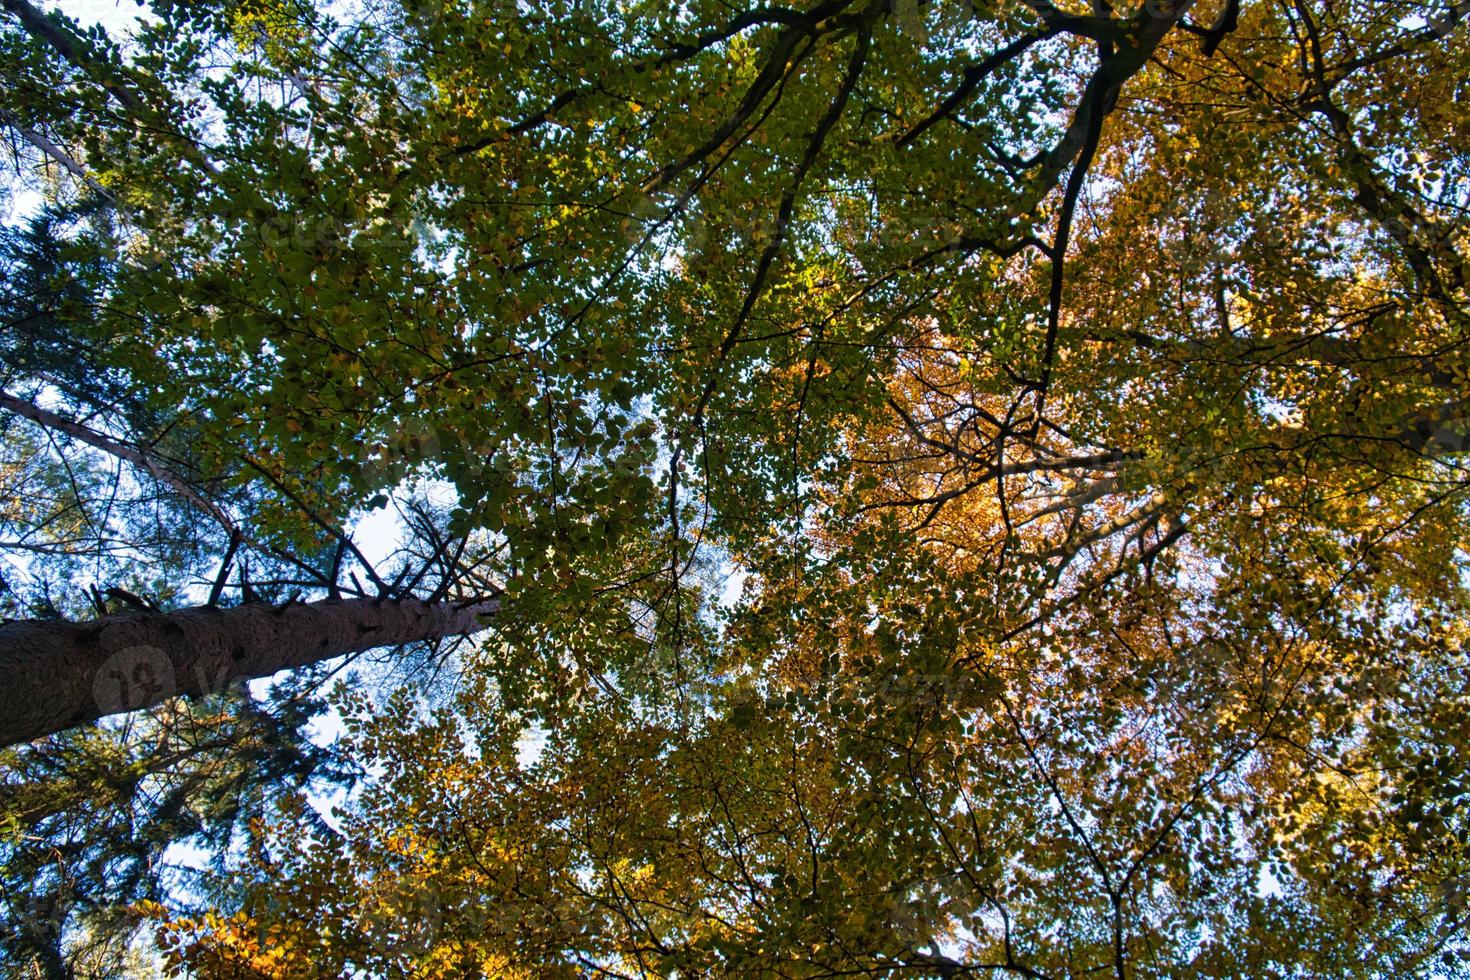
90 816
1081 398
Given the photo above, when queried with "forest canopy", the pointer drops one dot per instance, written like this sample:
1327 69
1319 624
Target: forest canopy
856 488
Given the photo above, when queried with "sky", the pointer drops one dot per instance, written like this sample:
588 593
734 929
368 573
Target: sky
115 15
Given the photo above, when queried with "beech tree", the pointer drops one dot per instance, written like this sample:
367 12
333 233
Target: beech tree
1079 395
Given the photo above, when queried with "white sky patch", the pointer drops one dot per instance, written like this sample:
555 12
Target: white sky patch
531 744
23 203
118 17
733 588
377 534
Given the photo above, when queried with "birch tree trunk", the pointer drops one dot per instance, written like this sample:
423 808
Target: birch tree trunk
54 675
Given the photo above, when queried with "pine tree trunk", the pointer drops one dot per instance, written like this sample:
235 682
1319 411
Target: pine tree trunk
54 675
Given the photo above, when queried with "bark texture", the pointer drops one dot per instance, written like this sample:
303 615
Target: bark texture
54 675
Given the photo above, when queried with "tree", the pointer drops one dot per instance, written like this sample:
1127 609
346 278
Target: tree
90 816
65 673
1080 394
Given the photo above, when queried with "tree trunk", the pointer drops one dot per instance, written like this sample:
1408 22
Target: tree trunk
54 675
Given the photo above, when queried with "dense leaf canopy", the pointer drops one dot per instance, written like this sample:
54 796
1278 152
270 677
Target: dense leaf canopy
972 487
